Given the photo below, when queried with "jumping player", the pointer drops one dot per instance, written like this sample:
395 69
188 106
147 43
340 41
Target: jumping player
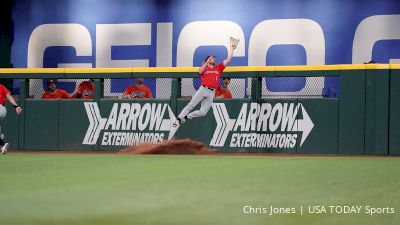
5 93
210 75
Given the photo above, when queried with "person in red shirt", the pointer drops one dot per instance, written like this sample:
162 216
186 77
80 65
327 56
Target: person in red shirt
223 91
138 90
5 93
209 75
84 90
54 93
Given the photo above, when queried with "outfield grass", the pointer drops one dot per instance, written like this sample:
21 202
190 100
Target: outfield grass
149 189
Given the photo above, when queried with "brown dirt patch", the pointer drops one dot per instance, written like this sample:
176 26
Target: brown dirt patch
172 147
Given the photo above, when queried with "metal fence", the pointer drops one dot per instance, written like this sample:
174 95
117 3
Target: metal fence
160 87
272 87
301 87
39 86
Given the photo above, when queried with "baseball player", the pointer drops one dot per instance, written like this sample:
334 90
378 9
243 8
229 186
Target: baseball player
210 75
223 91
138 90
5 93
53 92
85 90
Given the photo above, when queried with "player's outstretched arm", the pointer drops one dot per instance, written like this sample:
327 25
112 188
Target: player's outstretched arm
229 58
12 101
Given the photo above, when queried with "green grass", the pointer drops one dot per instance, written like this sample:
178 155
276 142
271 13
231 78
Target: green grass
148 189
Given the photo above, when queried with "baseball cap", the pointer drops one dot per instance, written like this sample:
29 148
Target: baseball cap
50 82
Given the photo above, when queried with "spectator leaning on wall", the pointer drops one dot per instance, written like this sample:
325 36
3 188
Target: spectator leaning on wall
85 90
54 93
223 91
138 90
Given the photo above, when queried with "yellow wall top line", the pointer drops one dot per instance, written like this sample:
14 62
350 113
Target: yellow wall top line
195 69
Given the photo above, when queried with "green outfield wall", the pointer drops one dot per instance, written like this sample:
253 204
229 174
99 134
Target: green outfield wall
363 119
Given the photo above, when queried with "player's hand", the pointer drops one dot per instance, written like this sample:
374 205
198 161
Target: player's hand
18 110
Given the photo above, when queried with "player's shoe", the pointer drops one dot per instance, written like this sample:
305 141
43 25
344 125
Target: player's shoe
4 148
173 130
177 122
174 127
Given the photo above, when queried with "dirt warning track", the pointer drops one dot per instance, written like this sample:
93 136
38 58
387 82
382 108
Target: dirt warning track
173 147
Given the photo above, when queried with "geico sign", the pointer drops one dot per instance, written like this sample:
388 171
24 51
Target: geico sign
304 32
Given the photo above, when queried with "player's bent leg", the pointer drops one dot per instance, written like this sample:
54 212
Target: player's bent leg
205 107
183 116
197 98
3 112
186 110
197 113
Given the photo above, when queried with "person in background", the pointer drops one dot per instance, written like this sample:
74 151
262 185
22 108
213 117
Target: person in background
138 90
84 90
53 92
5 93
223 91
